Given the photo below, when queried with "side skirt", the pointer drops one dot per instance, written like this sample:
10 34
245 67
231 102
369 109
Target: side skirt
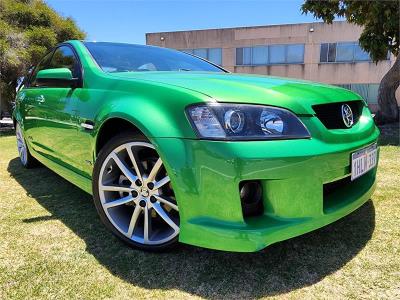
76 179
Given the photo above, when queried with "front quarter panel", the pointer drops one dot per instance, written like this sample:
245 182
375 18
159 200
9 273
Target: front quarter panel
157 109
158 113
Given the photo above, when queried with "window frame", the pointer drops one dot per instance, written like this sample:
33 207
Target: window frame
33 74
75 56
353 61
51 53
268 63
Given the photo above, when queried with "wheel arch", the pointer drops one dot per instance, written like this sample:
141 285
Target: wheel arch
16 118
152 118
117 123
113 126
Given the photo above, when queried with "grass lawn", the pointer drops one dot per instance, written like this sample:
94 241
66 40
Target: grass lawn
52 245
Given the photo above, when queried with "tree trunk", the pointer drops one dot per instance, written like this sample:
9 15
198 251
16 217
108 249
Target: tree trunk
388 111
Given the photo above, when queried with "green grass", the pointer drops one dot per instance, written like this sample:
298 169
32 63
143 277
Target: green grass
52 245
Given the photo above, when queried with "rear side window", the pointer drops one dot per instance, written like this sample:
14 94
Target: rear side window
64 57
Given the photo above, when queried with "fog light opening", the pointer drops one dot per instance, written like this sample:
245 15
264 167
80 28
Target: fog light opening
251 198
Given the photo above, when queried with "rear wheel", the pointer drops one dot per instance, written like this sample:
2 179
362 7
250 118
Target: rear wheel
27 160
133 194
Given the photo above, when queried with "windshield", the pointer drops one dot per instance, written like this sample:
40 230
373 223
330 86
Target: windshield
116 57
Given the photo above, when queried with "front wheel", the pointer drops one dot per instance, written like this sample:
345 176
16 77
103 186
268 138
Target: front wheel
133 193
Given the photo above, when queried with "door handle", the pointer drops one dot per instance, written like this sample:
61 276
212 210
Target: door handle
88 125
40 99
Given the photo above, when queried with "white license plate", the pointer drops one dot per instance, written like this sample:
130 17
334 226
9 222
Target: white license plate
363 160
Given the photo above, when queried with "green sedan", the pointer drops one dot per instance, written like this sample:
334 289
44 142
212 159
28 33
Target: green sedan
174 148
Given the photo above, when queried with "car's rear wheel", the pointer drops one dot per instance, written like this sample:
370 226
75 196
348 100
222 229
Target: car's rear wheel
133 193
27 160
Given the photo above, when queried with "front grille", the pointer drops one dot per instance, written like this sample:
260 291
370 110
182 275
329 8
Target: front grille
331 114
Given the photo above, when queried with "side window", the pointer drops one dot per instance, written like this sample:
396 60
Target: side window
64 57
43 64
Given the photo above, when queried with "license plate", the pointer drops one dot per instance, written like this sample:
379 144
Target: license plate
363 160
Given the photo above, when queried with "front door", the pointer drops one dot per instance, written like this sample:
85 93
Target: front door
29 100
55 133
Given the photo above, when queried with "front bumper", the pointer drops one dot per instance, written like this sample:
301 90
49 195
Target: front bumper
206 174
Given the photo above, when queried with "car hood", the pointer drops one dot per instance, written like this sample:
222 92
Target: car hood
296 95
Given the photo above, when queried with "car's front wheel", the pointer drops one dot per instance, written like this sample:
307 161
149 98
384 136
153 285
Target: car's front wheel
133 193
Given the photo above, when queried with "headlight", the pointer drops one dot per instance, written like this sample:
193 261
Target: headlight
234 120
245 122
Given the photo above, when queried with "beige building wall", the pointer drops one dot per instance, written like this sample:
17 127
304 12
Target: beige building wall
309 34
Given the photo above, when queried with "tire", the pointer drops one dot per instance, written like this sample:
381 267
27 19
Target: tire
134 198
25 157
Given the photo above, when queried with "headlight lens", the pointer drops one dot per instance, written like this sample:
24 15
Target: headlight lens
245 122
271 123
205 122
234 120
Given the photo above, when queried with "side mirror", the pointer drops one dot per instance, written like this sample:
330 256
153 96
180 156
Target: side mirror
60 77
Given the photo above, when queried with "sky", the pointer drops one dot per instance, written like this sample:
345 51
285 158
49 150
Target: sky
129 20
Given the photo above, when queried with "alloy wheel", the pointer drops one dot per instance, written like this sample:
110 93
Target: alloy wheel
136 194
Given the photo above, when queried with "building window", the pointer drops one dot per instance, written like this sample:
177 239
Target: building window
260 55
343 52
369 91
247 55
295 53
201 53
323 54
213 55
269 55
332 52
361 55
277 54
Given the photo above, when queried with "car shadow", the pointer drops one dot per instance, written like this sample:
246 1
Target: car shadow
278 269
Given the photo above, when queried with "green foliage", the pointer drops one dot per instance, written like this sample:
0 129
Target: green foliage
28 29
380 20
40 39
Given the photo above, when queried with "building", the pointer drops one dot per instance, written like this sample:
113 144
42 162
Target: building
320 52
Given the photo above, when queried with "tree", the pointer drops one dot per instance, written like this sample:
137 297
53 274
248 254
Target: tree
380 20
28 29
